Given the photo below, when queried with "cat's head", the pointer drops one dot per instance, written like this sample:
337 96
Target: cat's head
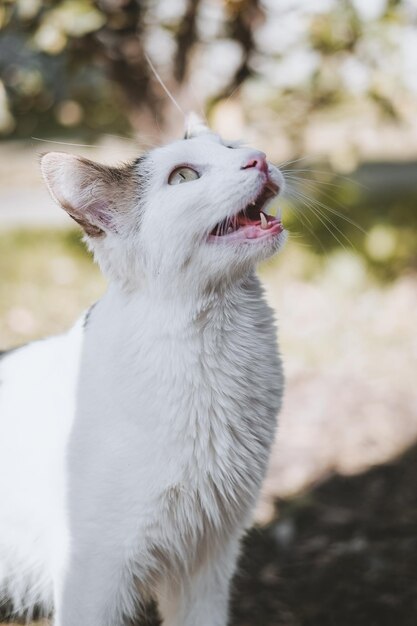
192 213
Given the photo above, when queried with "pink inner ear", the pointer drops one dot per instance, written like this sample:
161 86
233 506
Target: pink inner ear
100 212
93 217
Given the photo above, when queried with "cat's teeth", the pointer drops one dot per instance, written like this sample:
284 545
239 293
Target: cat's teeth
264 222
229 230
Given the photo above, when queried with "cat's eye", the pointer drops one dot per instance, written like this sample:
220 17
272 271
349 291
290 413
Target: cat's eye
182 175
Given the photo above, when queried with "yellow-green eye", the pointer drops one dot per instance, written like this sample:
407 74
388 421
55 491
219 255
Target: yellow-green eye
182 175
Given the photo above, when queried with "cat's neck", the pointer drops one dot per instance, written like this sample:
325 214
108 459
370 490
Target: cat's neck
175 311
144 331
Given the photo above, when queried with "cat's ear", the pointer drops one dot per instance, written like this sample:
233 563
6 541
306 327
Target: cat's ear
195 126
89 192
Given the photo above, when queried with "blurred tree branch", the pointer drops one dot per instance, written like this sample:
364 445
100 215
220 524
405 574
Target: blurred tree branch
244 17
186 38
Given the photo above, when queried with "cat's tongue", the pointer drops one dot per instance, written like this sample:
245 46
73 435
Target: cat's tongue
255 230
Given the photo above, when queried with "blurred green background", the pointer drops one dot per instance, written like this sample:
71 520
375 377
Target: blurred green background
328 89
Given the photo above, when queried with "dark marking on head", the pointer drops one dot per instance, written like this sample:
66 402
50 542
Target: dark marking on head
140 172
139 160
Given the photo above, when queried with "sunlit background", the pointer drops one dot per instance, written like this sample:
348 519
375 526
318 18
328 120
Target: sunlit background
328 89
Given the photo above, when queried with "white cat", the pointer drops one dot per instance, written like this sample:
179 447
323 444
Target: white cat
132 448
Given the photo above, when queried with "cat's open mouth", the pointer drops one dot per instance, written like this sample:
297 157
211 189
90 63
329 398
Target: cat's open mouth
253 222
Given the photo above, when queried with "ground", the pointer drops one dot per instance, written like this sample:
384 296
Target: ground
343 553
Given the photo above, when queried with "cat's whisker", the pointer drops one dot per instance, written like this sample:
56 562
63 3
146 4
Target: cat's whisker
290 162
140 141
65 143
324 173
297 237
200 107
138 144
325 221
302 216
325 208
164 87
233 93
338 213
315 188
295 194
293 234
302 180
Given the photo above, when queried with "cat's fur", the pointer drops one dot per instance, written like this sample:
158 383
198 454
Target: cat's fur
132 448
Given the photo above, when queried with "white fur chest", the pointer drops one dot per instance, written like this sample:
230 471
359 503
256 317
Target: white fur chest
182 421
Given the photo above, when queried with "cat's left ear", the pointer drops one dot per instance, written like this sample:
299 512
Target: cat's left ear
195 126
91 193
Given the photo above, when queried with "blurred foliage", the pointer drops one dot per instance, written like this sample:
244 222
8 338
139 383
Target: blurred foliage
80 64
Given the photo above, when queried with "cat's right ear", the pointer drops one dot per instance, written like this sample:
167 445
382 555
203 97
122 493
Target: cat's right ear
89 192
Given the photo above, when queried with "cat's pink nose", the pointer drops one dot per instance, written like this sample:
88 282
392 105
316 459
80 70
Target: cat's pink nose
258 161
